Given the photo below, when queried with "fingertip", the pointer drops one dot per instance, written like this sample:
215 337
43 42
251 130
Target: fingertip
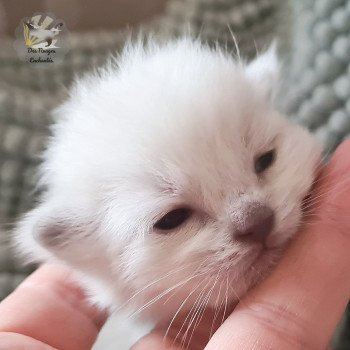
15 341
154 341
51 307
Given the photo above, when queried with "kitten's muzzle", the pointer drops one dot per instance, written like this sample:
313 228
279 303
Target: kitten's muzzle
258 225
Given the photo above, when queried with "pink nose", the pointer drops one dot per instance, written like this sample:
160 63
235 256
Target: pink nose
258 225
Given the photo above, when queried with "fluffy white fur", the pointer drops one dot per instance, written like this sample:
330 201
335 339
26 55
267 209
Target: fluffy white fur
171 125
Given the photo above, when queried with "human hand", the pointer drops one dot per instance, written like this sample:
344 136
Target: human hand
300 304
48 311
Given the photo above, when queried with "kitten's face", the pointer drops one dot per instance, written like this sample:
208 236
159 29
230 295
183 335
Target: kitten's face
171 178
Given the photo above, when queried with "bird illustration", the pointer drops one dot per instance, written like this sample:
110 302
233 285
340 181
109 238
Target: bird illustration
44 34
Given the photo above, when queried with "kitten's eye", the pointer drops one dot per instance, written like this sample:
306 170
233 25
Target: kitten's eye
264 161
173 219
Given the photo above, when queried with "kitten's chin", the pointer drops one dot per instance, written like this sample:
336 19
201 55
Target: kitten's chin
254 270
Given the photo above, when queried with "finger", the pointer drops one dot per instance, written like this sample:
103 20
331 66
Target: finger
15 341
300 304
155 341
48 306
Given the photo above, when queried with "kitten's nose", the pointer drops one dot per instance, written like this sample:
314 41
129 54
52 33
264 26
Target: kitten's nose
258 225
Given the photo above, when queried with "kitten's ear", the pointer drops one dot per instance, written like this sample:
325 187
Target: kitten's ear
46 233
264 71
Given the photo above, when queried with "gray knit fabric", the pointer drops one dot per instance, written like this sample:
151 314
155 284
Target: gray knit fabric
318 74
315 46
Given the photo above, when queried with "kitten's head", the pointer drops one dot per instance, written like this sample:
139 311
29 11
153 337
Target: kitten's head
170 175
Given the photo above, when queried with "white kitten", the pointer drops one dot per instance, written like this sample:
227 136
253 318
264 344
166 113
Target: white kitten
170 175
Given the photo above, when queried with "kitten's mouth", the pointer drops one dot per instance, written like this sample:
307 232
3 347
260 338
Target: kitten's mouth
262 260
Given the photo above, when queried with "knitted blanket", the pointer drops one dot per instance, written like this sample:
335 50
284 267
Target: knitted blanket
314 44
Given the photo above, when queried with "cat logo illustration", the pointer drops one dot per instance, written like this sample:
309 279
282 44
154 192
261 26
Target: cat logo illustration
41 38
37 36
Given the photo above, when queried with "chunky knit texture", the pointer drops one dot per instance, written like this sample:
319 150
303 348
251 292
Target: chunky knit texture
319 69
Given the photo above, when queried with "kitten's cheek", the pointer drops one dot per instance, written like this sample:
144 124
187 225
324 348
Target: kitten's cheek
285 231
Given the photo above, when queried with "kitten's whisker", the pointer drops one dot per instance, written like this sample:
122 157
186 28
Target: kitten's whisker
315 203
216 311
163 277
226 300
330 188
192 308
200 317
198 268
344 177
194 317
197 319
320 167
324 176
151 284
205 260
159 296
180 307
